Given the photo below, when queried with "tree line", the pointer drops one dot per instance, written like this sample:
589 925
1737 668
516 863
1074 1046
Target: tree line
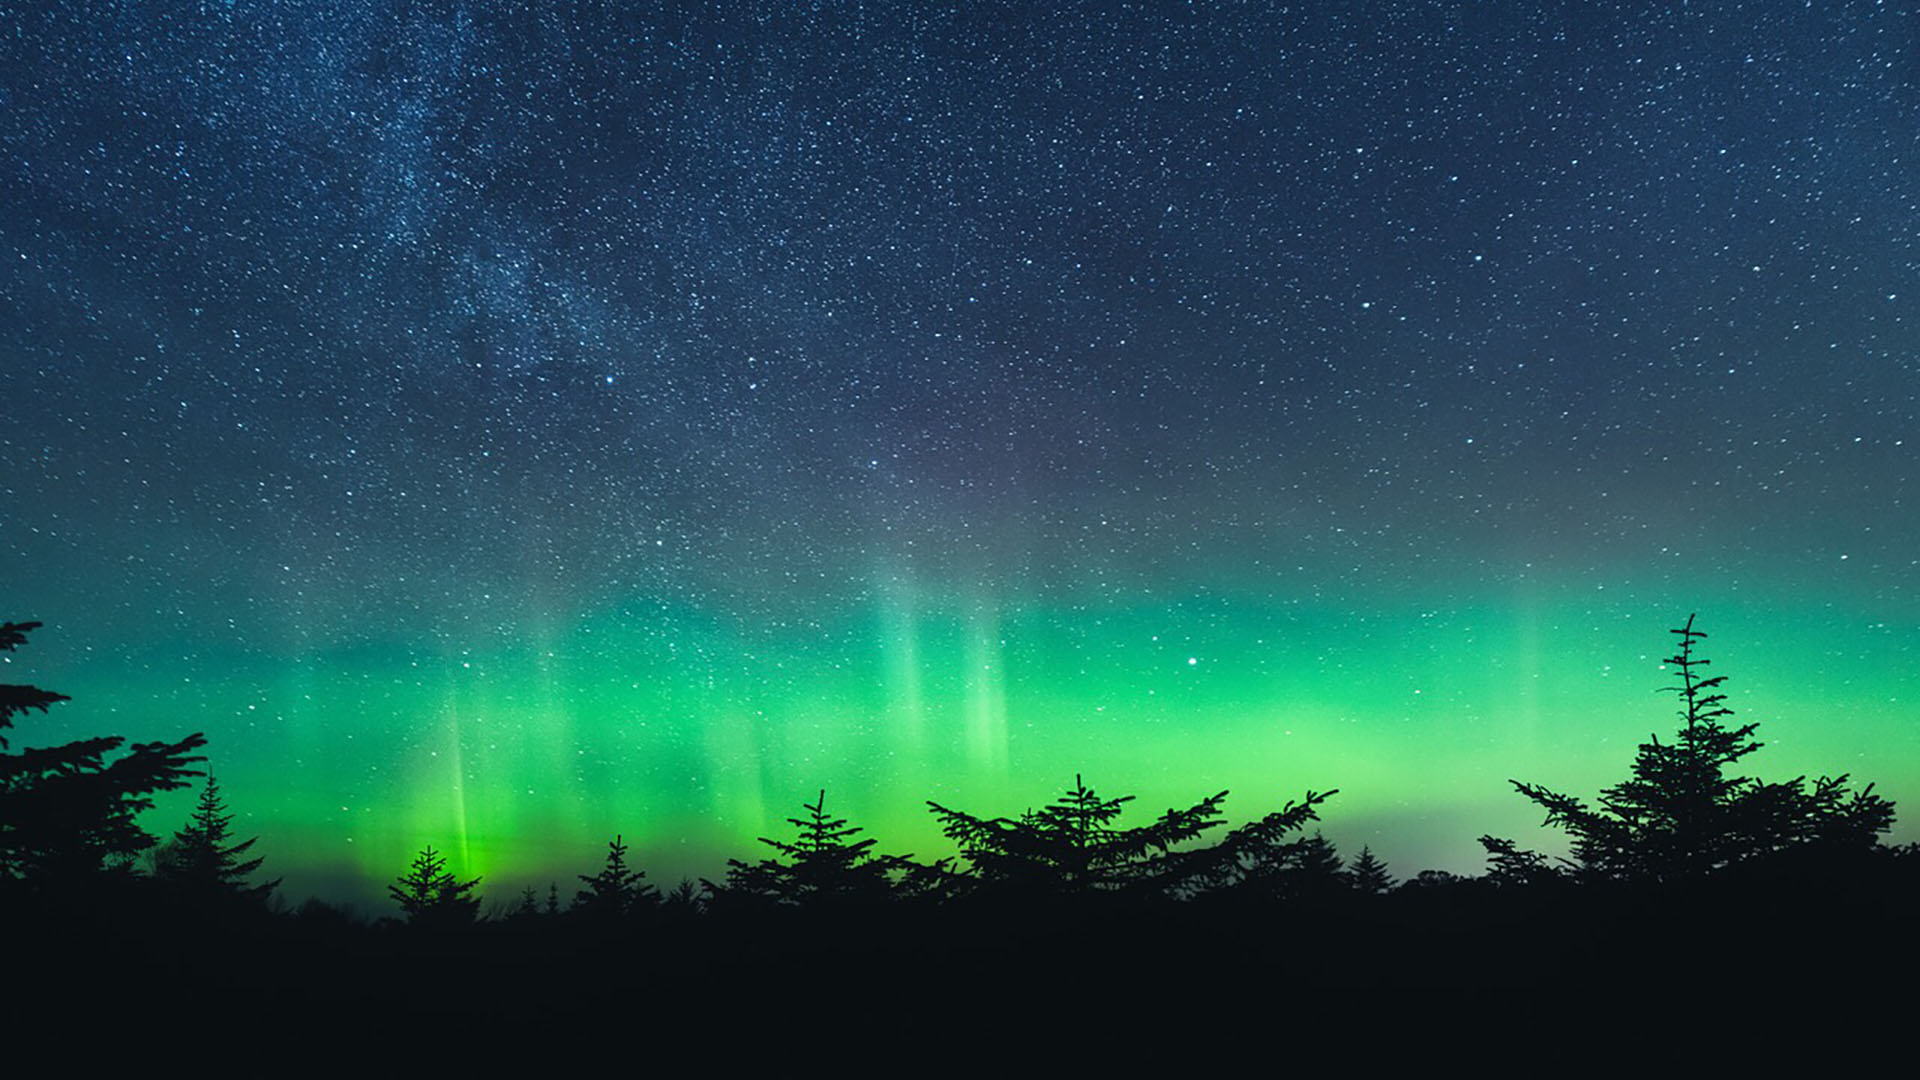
69 823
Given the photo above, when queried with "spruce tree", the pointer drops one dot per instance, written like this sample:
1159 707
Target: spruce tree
69 813
822 866
1073 848
1368 874
683 899
616 892
1509 865
1308 869
1260 858
1681 816
432 897
199 859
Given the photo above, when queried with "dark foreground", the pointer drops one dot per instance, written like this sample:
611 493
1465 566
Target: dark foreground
696 985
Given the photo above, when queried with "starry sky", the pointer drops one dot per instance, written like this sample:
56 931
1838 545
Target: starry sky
500 426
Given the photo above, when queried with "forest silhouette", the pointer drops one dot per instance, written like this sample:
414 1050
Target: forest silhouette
1745 874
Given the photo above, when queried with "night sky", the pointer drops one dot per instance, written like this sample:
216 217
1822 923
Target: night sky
503 426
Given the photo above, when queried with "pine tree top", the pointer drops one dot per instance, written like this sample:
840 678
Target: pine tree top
1072 845
200 858
430 895
1368 874
822 867
616 890
1680 814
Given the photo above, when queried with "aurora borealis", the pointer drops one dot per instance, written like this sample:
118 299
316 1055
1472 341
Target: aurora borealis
506 426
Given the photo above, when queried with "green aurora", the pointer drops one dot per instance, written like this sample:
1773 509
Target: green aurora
692 737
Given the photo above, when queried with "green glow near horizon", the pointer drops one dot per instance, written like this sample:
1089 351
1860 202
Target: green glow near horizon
692 737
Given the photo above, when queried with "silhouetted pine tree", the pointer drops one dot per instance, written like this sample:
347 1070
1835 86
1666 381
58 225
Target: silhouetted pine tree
1254 859
432 897
528 908
199 859
1308 869
823 866
933 883
1368 874
1072 847
1681 816
684 899
1320 861
67 813
1509 865
616 892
